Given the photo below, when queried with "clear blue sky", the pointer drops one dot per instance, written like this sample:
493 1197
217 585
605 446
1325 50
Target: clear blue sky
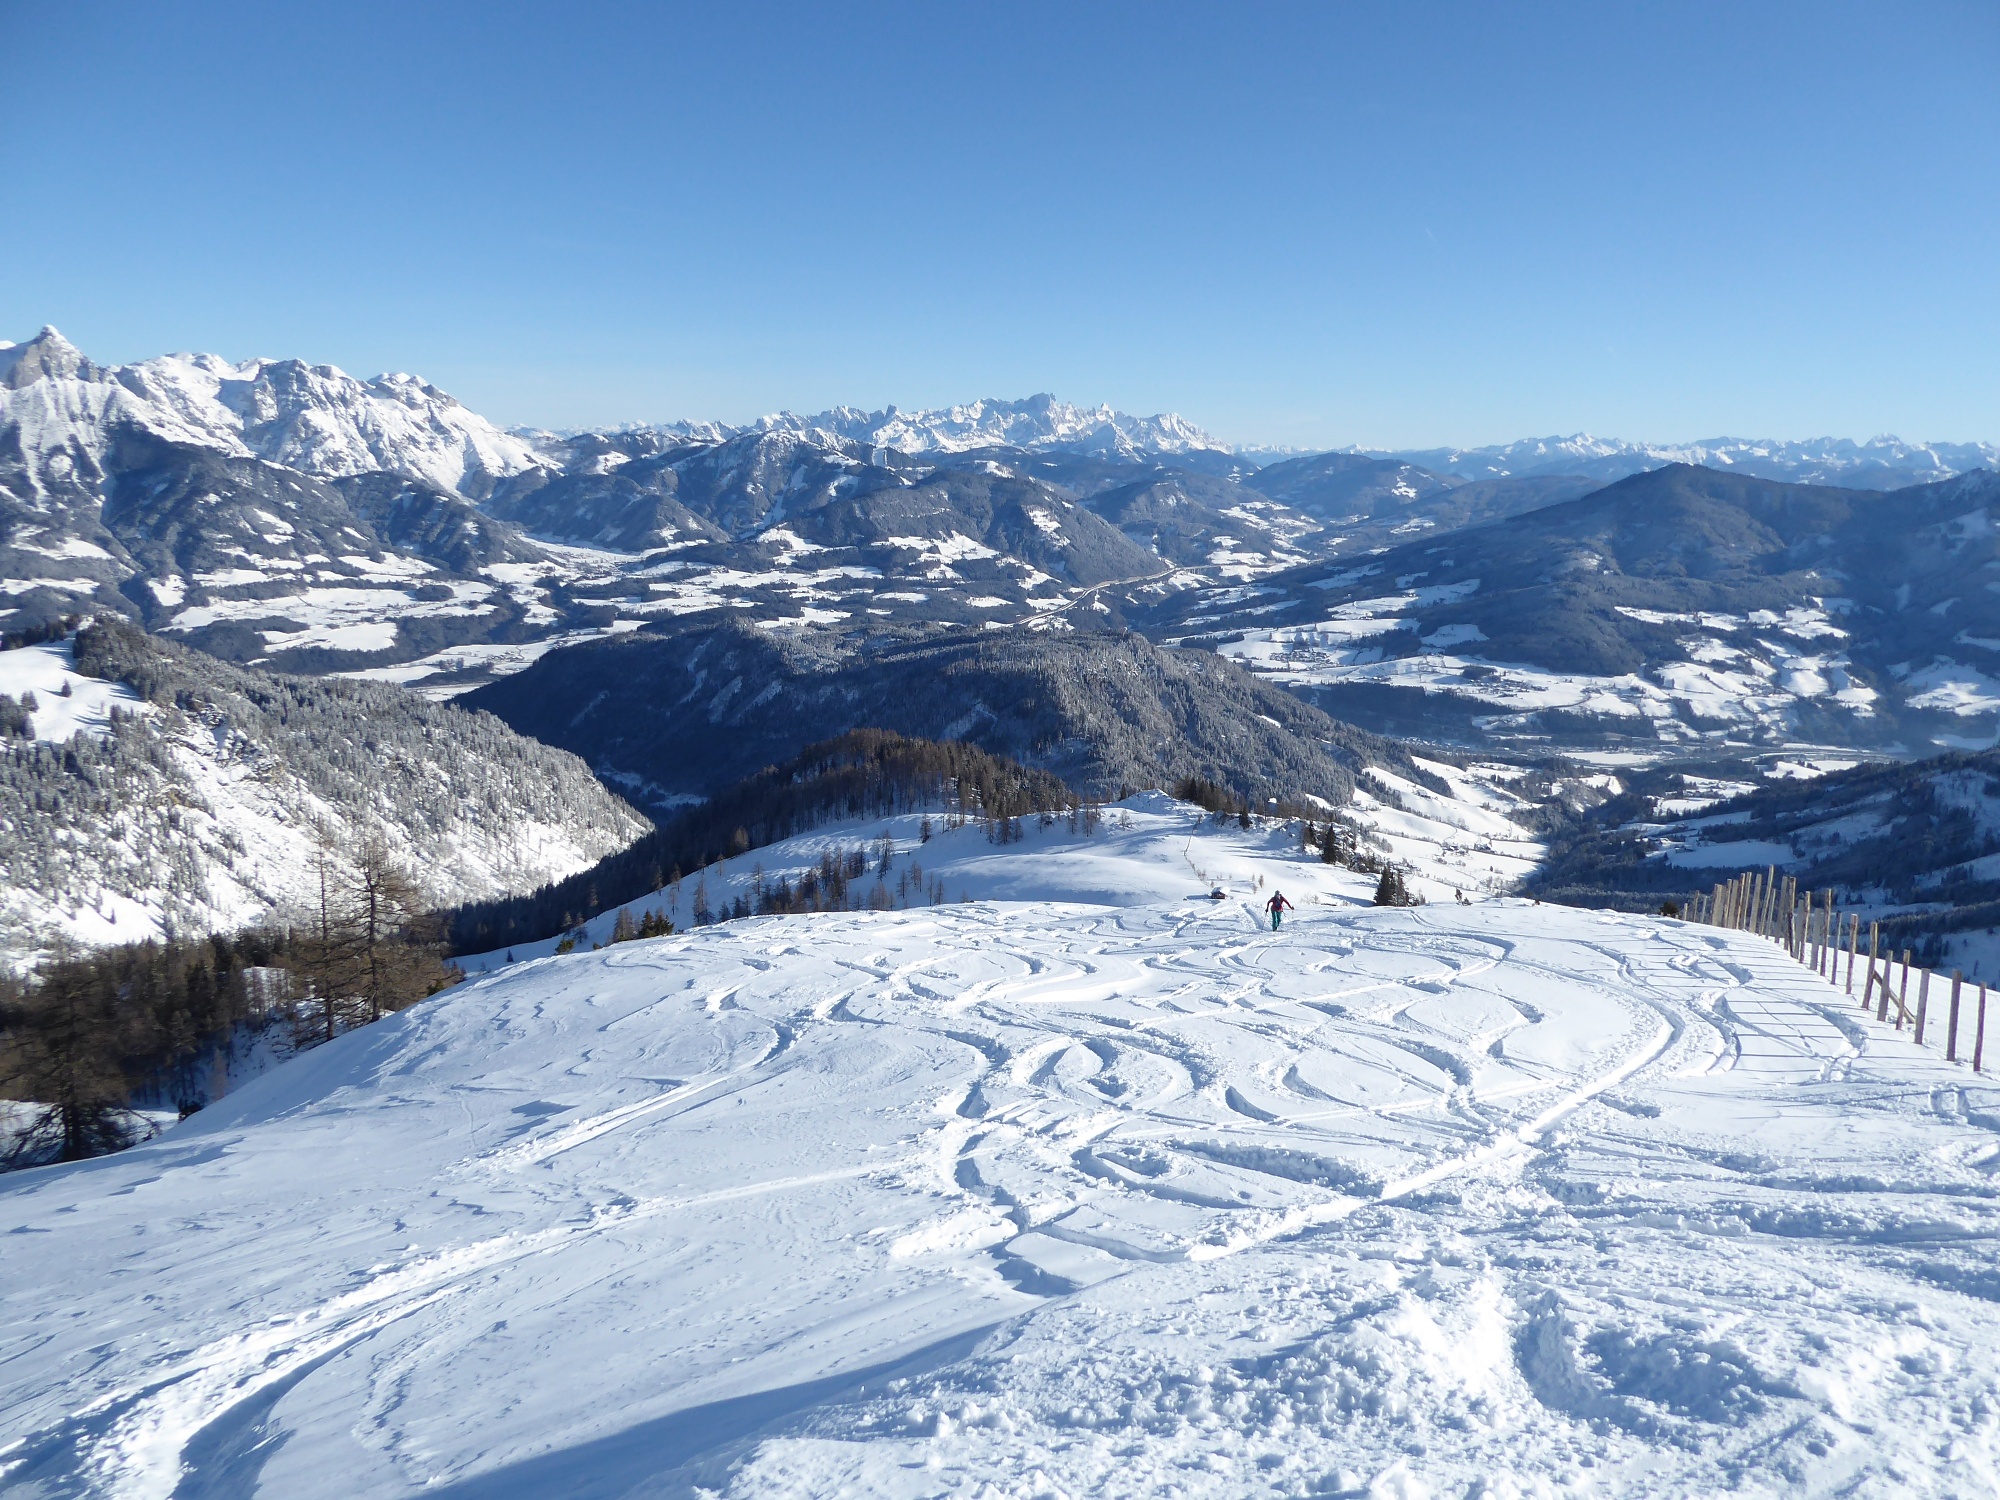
1391 224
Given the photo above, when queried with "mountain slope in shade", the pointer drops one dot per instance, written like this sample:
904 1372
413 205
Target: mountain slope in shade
683 713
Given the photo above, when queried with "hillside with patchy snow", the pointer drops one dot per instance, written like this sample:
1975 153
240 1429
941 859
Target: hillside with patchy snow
1678 613
1124 1196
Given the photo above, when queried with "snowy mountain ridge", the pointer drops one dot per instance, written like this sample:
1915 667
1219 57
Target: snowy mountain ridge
1883 462
1035 424
321 421
63 412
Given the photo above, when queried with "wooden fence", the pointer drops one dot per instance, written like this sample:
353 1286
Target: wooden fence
1806 926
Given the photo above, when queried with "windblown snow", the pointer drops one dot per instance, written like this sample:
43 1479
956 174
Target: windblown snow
1046 1197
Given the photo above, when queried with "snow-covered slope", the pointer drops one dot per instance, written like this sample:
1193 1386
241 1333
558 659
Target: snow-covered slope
1149 848
167 794
1018 1198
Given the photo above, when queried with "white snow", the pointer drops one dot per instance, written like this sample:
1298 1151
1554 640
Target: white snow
352 618
1035 1197
46 671
1953 689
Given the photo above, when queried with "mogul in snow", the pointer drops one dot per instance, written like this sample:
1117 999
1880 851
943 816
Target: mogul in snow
1277 906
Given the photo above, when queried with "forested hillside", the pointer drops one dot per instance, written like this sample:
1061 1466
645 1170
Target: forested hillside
1667 613
153 791
678 713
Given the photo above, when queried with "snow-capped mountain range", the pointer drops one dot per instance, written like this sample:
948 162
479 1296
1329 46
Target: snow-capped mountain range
1879 463
1038 423
55 403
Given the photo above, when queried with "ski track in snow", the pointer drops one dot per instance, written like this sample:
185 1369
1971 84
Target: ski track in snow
1043 1199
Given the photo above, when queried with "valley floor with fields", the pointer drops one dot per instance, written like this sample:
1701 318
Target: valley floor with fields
1047 1197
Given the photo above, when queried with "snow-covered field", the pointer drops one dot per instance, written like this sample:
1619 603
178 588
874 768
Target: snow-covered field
1046 1198
1740 679
66 702
1149 848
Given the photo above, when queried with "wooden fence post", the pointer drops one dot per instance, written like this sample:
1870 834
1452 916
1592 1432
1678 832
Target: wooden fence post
1903 993
1874 941
1853 942
1923 1003
1951 1019
1979 1033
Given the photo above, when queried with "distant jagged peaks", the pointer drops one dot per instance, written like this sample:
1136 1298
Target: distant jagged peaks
1039 422
1880 463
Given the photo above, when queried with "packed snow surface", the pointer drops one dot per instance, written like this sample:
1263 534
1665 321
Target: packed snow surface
1018 1198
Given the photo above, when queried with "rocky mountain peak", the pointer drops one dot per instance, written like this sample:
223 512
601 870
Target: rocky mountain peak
48 354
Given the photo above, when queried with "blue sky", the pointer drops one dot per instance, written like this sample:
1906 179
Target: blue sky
1297 224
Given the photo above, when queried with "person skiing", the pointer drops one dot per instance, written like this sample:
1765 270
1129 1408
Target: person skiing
1277 906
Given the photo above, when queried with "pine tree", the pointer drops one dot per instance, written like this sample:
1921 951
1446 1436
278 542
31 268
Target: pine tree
1391 890
62 1055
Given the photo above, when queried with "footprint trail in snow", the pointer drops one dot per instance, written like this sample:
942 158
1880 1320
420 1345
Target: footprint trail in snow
1041 1198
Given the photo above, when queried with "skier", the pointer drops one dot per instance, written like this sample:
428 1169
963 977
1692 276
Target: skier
1277 906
